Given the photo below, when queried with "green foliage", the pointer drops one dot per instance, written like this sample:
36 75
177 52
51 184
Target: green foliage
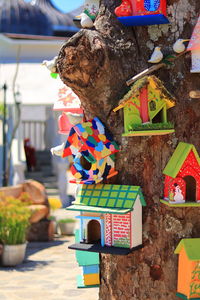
67 221
151 126
14 220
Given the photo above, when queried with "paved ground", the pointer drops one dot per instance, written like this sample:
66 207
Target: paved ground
50 268
49 272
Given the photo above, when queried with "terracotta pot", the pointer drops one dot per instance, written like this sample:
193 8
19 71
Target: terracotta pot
67 228
13 255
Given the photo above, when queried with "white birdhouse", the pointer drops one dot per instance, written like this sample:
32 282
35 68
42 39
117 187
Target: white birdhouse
194 47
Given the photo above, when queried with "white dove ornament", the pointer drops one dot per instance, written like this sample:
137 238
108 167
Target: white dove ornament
50 64
86 21
58 150
156 56
179 46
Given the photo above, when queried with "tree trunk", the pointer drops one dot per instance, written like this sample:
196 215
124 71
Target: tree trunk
96 64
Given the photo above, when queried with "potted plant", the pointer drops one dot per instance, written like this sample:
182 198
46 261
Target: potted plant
67 226
14 222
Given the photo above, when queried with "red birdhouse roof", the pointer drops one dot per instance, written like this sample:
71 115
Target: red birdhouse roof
178 158
194 43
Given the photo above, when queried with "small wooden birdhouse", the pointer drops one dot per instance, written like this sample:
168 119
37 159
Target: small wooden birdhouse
111 218
92 148
182 177
188 287
142 12
68 102
145 108
194 47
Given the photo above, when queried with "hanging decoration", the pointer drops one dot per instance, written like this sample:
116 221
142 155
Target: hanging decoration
188 286
156 56
92 148
51 65
179 45
145 108
90 11
182 177
142 12
110 219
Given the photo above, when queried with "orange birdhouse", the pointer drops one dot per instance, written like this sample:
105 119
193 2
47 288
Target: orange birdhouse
188 269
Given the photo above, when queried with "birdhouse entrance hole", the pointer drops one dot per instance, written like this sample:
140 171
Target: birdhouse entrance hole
94 232
190 188
85 163
158 117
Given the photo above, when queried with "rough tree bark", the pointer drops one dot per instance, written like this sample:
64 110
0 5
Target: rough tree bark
96 64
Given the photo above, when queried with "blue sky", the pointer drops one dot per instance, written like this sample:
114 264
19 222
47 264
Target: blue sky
66 5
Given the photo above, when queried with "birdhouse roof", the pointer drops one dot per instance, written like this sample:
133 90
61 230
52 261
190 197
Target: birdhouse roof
152 81
68 101
178 158
194 43
107 198
92 139
192 248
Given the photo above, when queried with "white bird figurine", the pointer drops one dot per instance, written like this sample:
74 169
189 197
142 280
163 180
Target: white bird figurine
51 64
179 46
86 22
58 150
156 56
